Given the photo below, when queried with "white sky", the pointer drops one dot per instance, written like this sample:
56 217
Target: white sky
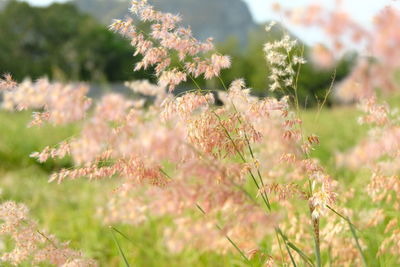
362 11
43 2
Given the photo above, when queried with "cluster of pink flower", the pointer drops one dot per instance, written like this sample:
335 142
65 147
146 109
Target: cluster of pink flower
383 139
130 142
367 74
55 99
202 144
379 154
166 41
186 158
32 245
7 82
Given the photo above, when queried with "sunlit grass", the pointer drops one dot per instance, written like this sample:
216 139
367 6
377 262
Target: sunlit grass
70 210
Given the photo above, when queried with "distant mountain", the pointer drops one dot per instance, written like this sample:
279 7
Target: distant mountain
219 19
3 3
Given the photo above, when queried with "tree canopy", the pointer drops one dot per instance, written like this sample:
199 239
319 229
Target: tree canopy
62 43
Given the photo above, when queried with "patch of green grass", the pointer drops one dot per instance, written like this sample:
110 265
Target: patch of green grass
69 210
337 130
17 141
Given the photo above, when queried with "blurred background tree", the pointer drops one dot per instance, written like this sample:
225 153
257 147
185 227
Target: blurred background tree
71 42
62 43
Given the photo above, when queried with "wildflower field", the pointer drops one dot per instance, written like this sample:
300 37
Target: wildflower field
212 175
66 210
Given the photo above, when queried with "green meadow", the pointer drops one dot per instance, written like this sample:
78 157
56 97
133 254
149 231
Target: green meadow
68 210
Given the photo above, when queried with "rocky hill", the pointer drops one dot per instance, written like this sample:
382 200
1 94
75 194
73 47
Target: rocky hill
220 19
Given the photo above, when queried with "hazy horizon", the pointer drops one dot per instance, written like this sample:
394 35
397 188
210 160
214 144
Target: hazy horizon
363 11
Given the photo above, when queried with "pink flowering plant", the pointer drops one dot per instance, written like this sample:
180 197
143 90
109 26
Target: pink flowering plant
238 178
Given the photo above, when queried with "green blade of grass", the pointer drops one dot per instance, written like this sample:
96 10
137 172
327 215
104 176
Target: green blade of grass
226 236
353 232
317 251
295 248
342 216
278 231
122 234
119 248
290 253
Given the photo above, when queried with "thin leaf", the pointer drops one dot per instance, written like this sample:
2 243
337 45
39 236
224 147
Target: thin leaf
290 253
122 234
119 248
301 253
295 248
278 231
353 232
342 216
226 236
317 251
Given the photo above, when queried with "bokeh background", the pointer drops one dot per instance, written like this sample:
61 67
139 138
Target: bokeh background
69 41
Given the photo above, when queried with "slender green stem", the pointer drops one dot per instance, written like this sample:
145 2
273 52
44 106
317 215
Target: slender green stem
317 248
138 245
278 231
223 83
219 228
326 95
280 246
353 232
254 159
264 197
294 247
226 236
122 234
119 248
342 216
165 173
47 239
330 256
